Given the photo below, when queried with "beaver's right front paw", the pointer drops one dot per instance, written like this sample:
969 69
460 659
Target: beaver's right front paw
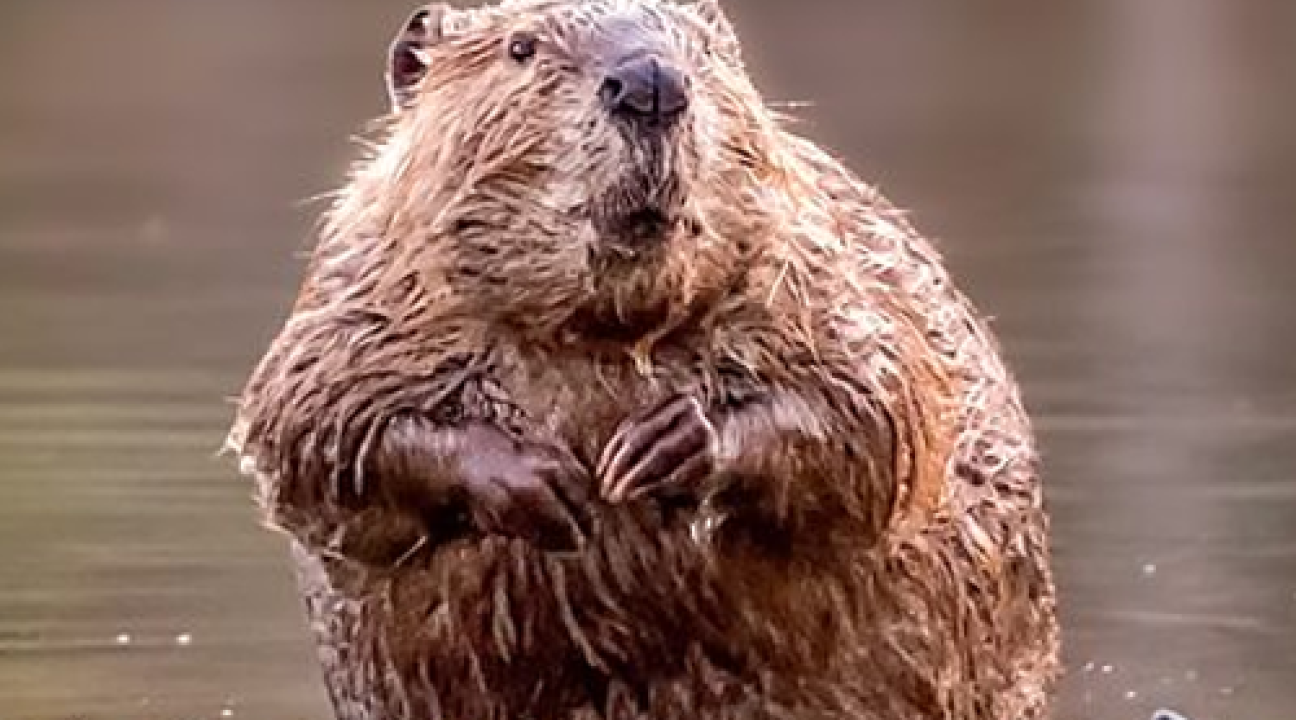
523 491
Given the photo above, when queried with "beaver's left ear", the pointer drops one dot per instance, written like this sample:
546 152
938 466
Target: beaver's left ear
407 59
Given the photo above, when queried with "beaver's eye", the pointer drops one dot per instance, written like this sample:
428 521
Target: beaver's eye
522 46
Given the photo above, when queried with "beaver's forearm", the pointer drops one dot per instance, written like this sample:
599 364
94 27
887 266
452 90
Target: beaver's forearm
416 483
795 465
402 492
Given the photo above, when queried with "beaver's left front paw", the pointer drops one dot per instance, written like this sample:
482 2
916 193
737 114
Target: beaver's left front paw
667 451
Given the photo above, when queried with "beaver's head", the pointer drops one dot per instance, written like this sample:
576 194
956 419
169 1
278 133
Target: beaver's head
594 165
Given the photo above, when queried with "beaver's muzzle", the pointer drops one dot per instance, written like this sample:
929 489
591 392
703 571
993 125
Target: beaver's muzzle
645 90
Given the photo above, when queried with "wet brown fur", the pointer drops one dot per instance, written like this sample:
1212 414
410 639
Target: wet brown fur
875 546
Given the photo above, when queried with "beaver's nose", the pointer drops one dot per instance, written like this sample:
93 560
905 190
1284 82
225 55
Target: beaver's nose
645 89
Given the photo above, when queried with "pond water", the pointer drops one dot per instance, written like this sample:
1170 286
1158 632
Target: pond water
1113 181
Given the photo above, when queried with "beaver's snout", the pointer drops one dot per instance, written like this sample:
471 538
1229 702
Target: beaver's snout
646 90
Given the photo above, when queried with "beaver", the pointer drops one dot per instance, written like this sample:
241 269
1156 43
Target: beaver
608 396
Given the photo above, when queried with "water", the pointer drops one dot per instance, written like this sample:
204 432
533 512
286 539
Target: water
1111 180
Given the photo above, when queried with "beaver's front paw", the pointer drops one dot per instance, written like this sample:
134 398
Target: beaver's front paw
667 451
523 491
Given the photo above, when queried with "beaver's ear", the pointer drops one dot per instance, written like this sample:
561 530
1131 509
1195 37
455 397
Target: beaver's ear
711 12
407 59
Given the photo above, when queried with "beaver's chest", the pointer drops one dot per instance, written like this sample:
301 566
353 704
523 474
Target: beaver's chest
579 399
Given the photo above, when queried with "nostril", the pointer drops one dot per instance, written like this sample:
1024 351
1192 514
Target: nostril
612 92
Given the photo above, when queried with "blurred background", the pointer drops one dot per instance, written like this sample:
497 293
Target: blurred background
1113 180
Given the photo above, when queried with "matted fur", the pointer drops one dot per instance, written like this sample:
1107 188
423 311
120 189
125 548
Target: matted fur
874 546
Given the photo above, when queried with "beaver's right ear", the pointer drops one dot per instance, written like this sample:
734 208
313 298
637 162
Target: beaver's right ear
714 15
407 59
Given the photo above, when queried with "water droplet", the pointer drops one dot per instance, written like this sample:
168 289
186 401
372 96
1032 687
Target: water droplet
1089 666
1149 570
1226 690
123 639
184 639
227 712
1108 669
1131 694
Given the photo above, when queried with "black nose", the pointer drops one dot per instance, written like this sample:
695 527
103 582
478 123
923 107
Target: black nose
645 89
